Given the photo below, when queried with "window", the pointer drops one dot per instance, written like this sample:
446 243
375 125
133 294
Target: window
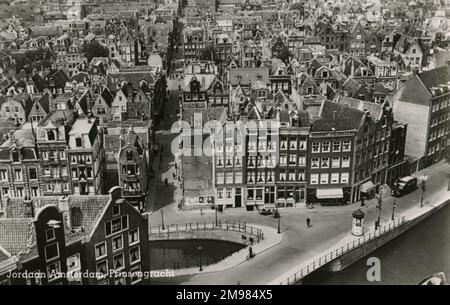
133 236
346 146
102 268
301 159
334 178
229 178
282 175
17 174
78 142
315 163
292 159
335 162
251 177
314 178
117 243
135 255
326 147
238 177
50 135
220 178
315 147
324 178
116 225
100 250
15 156
283 159
50 234
136 274
51 251
344 178
4 174
32 173
53 271
345 161
293 143
118 262
301 176
336 146
325 163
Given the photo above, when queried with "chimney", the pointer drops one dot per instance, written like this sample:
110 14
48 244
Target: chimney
63 204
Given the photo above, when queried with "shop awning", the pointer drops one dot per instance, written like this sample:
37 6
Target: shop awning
329 193
366 186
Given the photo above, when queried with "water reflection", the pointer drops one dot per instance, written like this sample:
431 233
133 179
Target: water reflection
176 254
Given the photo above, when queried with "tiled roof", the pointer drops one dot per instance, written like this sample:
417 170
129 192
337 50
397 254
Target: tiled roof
85 210
435 77
374 109
15 234
248 75
334 116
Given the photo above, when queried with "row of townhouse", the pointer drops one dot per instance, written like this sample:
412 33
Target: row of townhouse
284 160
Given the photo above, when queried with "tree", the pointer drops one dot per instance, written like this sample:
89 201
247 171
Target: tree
40 58
94 49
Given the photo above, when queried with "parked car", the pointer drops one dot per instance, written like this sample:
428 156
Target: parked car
265 212
404 186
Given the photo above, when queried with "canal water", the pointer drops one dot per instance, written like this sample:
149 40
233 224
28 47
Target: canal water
421 251
176 254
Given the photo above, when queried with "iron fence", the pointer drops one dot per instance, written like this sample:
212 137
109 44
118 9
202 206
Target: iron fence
332 255
227 225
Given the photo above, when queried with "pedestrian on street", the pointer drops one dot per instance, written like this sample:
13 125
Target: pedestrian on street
308 222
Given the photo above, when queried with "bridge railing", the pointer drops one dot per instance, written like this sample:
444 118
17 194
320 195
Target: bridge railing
339 251
242 227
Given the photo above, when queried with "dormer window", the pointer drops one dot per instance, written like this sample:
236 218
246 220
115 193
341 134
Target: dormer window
51 135
15 156
129 156
78 142
324 74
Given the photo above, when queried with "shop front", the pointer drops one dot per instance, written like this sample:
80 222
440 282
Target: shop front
291 196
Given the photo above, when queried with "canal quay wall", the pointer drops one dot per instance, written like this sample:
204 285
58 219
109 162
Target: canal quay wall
353 248
364 250
260 238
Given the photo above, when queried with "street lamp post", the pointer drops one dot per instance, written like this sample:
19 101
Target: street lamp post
200 258
423 181
393 210
215 208
279 223
380 201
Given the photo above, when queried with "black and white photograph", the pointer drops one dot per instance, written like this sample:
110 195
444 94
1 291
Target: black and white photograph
235 145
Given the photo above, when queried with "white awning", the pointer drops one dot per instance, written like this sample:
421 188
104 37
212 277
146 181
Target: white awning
366 186
329 193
